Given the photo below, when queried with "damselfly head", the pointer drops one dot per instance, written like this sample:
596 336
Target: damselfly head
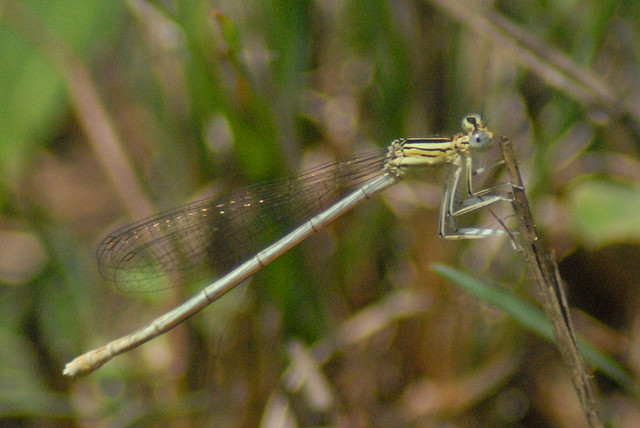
480 139
472 122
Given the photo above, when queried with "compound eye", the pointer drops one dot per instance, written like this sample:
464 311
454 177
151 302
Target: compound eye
479 139
471 122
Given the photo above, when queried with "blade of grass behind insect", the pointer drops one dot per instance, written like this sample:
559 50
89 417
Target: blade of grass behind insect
534 320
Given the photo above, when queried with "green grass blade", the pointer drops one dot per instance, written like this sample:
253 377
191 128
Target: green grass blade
534 320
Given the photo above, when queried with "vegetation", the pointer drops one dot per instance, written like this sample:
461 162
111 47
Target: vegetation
114 110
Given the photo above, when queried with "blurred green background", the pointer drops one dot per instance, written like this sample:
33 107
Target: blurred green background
110 111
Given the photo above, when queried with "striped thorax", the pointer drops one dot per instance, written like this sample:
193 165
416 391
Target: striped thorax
432 151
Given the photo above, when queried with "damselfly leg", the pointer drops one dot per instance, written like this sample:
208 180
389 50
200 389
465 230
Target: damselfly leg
461 198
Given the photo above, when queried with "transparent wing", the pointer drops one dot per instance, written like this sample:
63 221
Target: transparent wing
211 236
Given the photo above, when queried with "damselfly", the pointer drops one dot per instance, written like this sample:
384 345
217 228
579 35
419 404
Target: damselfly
199 234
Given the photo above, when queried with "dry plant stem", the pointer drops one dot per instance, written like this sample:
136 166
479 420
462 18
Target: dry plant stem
552 65
550 291
305 371
92 115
